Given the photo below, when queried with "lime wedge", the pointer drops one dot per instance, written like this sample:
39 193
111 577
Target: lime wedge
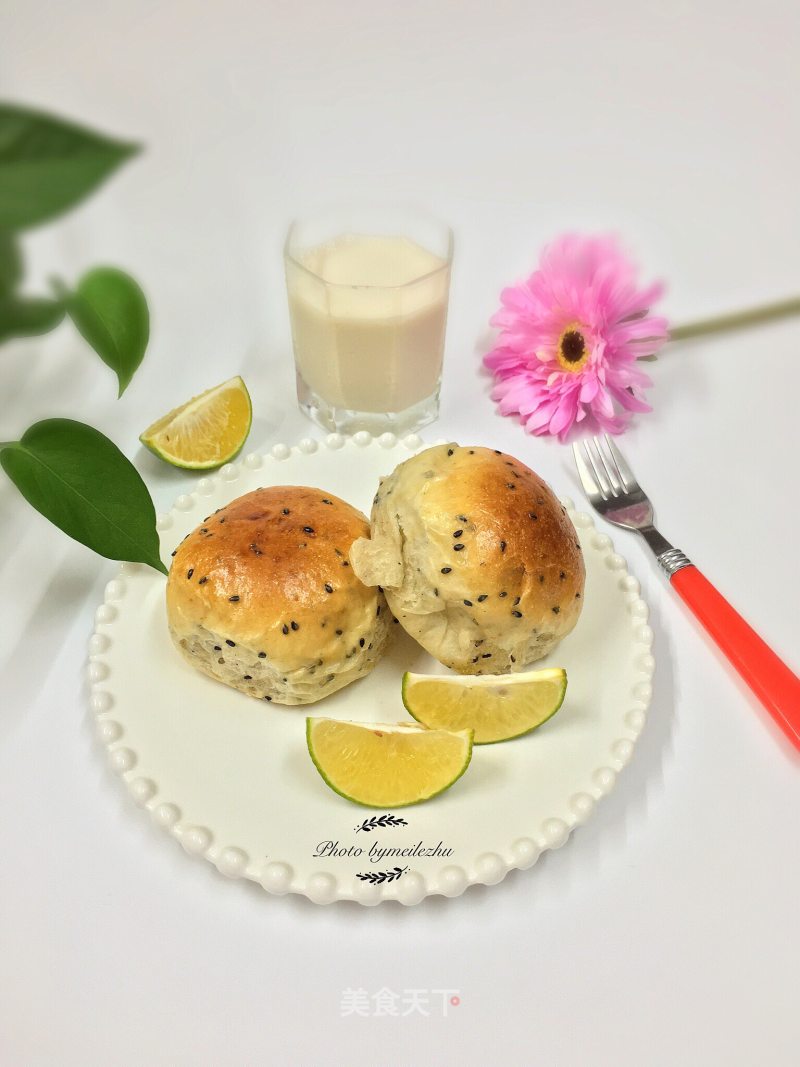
496 707
205 432
387 765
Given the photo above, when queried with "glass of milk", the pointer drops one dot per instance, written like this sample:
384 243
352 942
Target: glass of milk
368 292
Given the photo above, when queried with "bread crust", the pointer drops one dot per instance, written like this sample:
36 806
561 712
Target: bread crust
479 561
261 596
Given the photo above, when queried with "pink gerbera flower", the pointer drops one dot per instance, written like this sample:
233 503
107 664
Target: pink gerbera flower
570 337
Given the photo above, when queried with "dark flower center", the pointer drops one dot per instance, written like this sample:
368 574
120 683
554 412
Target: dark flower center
573 352
573 346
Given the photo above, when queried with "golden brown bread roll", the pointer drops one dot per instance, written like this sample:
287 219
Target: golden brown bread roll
262 596
478 560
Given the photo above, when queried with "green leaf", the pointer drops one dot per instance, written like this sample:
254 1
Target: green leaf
110 311
22 316
10 263
80 481
47 164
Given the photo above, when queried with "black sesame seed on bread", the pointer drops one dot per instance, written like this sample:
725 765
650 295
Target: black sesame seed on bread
478 560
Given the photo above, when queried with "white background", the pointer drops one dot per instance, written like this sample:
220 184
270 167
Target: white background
666 930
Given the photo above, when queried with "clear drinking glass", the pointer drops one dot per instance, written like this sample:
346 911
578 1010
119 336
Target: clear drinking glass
368 292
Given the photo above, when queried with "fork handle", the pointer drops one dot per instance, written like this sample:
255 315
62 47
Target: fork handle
776 686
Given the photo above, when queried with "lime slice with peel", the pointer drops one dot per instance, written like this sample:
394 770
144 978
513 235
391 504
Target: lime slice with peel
496 707
387 765
205 432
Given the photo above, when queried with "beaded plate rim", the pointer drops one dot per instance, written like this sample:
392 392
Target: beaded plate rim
277 877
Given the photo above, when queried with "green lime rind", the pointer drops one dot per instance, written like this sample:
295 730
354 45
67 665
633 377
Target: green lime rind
494 741
391 804
211 465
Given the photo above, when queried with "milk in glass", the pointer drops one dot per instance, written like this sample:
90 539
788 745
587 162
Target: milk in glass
368 316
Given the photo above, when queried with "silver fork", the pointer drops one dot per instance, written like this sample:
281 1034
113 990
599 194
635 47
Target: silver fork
614 492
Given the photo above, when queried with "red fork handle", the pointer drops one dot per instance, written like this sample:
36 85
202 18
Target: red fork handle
776 686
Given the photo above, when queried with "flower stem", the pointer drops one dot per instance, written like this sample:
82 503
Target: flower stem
734 320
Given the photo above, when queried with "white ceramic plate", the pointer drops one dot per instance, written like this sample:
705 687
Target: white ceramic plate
231 779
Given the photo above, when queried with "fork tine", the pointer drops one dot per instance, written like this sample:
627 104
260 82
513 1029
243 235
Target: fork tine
599 475
590 486
611 474
626 474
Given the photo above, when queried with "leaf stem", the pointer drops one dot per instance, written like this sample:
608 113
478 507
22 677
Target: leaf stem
735 320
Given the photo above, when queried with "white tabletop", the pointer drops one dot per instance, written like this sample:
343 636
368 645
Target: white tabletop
665 931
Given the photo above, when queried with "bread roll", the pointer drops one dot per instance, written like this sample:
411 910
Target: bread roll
262 596
478 560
